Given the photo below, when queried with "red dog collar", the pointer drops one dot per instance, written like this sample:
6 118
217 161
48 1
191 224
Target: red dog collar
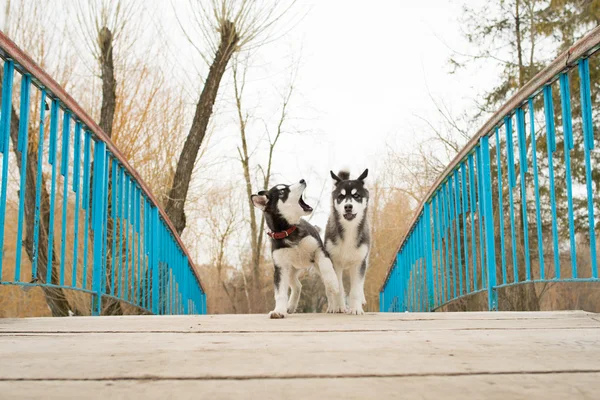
282 234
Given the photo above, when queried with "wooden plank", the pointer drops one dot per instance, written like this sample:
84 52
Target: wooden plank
293 354
492 387
307 322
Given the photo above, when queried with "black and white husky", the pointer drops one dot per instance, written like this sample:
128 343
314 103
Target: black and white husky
347 240
295 244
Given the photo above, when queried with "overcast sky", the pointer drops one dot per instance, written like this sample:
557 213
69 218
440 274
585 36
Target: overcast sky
366 76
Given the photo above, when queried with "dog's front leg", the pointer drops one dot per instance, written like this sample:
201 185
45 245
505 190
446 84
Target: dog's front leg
328 275
281 280
295 292
338 302
356 299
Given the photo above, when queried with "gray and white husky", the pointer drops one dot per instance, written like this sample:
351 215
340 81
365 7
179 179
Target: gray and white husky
295 244
347 239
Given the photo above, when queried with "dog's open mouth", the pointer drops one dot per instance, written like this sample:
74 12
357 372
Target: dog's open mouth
349 216
304 206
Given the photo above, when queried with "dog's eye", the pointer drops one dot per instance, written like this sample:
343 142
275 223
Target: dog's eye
356 196
281 192
341 197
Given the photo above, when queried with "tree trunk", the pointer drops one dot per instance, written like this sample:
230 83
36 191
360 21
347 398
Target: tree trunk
107 116
254 234
519 45
55 297
185 166
109 84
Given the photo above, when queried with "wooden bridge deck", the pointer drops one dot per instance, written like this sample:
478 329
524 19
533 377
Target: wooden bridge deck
425 356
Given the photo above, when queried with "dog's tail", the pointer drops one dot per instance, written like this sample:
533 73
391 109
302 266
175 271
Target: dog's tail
344 174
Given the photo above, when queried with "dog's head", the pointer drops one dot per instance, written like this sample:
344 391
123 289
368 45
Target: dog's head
350 197
283 203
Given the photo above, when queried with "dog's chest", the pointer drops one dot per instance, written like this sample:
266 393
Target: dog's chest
300 255
345 252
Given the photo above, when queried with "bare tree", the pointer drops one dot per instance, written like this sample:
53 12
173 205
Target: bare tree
227 26
257 229
102 23
221 215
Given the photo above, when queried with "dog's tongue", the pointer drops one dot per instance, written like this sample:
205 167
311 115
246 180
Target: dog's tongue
303 204
349 216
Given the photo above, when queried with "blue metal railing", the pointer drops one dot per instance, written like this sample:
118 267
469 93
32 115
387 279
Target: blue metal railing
90 223
458 243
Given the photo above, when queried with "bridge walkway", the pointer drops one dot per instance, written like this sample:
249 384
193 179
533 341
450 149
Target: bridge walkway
492 355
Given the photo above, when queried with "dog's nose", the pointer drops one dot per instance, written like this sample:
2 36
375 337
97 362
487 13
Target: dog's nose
348 208
302 181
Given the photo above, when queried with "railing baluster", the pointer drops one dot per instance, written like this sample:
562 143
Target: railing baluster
445 238
87 140
113 212
511 184
154 249
64 171
489 222
7 84
451 218
565 101
481 215
76 180
132 240
106 216
52 161
139 255
536 187
22 147
121 216
457 212
127 283
133 243
38 191
500 205
588 142
428 257
147 275
473 211
436 249
465 207
551 147
97 225
522 170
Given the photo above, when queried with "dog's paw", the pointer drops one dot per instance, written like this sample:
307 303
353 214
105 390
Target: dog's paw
336 310
276 315
355 311
291 310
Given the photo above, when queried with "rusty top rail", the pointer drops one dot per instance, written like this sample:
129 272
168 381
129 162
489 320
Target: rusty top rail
26 65
582 48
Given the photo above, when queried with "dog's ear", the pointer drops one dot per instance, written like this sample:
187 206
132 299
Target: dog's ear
336 179
363 175
260 200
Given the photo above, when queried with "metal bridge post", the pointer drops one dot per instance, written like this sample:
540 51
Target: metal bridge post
428 258
98 210
155 221
489 223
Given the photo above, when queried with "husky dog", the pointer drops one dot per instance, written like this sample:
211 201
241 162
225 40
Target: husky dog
295 244
347 239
